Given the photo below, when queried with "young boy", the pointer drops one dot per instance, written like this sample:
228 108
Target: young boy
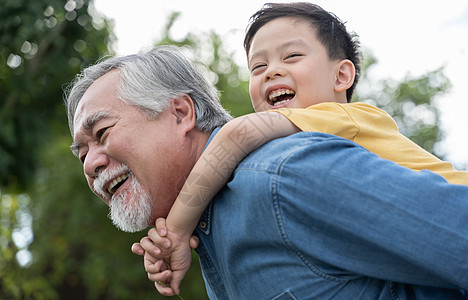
304 66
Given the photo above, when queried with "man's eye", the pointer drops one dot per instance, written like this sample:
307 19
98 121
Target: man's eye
100 133
82 158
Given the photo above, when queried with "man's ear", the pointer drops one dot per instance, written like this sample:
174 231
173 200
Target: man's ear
184 112
345 73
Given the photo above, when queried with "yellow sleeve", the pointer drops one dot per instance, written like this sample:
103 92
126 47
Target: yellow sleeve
328 117
373 129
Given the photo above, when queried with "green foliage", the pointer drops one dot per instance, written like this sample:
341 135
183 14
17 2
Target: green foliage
43 44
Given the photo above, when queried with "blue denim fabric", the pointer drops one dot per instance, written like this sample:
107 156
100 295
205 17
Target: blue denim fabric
315 216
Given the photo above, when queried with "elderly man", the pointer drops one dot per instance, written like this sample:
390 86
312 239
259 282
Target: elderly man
304 217
120 116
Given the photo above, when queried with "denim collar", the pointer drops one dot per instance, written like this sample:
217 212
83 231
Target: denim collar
215 131
204 224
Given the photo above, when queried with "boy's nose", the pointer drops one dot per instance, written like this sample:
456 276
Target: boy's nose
274 72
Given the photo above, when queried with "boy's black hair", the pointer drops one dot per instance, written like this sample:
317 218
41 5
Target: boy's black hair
330 30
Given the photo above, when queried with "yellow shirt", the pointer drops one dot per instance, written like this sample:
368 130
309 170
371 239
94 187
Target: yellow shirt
373 129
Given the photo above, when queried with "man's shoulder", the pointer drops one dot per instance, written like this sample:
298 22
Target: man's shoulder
278 151
297 141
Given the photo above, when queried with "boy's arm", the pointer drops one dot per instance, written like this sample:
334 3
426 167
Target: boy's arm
230 145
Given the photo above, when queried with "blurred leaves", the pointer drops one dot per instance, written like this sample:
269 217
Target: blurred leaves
44 43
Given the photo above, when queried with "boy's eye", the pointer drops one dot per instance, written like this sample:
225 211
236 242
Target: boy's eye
256 67
293 55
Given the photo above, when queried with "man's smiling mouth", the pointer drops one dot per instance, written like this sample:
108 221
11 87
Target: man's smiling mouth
116 183
280 96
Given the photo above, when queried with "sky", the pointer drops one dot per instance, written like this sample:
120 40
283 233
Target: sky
406 37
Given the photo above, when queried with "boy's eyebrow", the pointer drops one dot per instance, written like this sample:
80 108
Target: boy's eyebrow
296 42
254 55
88 125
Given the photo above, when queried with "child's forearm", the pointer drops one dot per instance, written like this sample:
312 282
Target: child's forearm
231 144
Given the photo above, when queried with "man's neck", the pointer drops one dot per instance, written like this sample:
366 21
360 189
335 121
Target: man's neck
200 140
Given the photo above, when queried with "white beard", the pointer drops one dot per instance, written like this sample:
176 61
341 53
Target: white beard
130 210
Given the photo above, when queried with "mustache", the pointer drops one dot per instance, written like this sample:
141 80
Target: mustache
107 175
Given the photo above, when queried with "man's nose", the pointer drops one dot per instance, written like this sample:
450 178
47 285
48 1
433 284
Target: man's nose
95 162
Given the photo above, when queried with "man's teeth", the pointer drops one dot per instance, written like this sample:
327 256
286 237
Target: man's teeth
275 94
116 181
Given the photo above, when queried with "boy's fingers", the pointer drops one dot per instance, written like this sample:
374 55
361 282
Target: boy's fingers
137 249
162 242
161 226
163 289
175 282
194 241
164 277
149 261
147 244
157 267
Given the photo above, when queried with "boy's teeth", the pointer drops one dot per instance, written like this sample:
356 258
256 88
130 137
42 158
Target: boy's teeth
281 102
280 92
115 182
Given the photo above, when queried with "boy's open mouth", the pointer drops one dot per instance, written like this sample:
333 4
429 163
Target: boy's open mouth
280 96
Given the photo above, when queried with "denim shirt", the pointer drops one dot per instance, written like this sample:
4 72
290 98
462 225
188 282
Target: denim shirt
315 216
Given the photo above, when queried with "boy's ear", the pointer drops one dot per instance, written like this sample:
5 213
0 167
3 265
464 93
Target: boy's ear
345 73
183 110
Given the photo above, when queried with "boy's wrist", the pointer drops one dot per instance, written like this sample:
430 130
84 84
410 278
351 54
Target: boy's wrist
178 233
182 220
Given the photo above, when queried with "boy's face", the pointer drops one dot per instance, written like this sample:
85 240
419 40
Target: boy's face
289 67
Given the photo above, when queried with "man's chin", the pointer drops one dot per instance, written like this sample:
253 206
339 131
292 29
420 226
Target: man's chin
128 225
131 215
129 229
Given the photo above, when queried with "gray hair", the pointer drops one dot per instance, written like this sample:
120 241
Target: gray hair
149 81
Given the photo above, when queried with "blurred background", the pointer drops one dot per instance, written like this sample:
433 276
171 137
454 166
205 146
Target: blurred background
56 241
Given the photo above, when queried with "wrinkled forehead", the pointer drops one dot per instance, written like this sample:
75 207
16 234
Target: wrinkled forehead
100 99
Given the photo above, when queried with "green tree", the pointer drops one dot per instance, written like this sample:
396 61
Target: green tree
43 44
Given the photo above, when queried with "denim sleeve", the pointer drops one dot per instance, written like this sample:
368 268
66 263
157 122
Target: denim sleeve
350 208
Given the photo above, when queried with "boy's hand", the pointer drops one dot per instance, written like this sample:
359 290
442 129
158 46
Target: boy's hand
153 249
159 273
146 245
166 262
157 270
176 252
